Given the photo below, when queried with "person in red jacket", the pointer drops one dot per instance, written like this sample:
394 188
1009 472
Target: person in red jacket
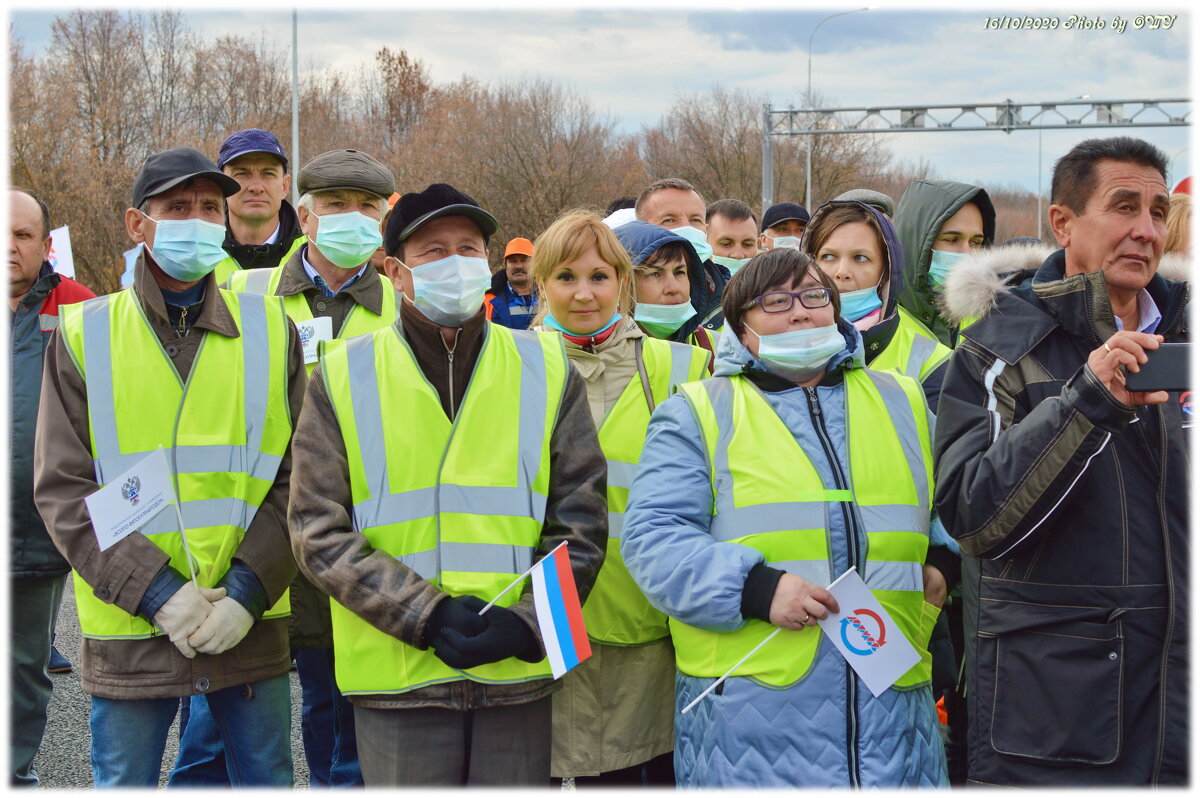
37 572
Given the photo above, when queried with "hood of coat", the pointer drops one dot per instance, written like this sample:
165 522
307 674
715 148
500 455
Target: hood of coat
642 239
920 214
973 286
891 240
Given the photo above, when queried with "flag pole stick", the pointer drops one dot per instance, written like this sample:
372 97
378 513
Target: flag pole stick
713 686
516 581
187 552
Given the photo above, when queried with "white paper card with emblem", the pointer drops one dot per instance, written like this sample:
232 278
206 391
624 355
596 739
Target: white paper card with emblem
312 332
866 635
131 500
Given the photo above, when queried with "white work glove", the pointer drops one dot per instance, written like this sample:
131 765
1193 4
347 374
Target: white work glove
224 628
183 613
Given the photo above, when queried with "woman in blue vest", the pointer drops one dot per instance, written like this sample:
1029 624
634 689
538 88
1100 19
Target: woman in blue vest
613 717
790 466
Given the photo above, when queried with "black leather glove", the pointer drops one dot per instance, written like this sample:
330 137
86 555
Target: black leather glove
453 613
506 636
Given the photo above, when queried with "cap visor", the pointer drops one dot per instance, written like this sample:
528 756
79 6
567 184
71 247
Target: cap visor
487 223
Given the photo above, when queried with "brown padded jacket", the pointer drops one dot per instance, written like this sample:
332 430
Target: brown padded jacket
64 475
385 592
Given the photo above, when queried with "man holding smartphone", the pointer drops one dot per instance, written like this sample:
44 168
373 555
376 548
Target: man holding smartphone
1068 494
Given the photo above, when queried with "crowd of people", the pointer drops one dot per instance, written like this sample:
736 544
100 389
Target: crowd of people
372 436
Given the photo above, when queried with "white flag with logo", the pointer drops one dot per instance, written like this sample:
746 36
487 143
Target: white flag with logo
312 332
60 257
130 501
866 635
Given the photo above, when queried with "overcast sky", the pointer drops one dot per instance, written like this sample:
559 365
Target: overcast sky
634 63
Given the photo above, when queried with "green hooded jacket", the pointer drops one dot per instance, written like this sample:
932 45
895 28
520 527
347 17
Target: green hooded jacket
920 214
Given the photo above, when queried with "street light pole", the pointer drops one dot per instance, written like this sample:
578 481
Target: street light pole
808 98
295 107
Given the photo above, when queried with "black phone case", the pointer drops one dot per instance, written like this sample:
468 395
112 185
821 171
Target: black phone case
1165 369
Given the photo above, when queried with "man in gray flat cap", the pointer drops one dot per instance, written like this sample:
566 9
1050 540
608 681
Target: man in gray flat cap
330 290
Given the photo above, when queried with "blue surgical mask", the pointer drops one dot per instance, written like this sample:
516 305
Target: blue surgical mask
733 264
450 291
187 249
662 320
799 355
940 264
553 324
348 239
698 239
856 304
784 242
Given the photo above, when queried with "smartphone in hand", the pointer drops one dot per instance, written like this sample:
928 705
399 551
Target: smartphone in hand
1165 369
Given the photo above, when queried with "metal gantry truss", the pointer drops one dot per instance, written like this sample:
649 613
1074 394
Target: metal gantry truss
1006 116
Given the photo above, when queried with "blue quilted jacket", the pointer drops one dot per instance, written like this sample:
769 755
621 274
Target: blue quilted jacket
827 730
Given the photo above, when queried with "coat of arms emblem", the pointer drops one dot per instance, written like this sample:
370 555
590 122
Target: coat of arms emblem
131 489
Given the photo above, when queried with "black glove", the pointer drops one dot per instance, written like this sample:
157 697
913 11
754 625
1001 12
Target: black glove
453 613
506 636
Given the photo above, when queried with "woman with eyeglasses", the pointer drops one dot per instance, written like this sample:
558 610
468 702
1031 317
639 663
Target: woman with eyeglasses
756 489
612 721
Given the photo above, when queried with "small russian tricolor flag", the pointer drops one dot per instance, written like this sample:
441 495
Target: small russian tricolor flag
558 612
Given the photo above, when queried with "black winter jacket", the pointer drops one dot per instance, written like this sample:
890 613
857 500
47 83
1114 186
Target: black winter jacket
1073 509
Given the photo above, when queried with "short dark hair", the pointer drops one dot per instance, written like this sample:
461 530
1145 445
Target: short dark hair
676 183
764 272
1075 173
41 206
732 209
620 204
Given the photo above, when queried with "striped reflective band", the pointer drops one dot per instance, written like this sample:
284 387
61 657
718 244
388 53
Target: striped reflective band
904 422
815 571
394 508
488 558
739 522
893 575
922 348
202 513
195 460
258 281
531 419
894 518
620 475
681 362
48 321
97 366
616 523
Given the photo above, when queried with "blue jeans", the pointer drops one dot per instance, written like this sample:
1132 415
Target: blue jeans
201 758
326 722
254 723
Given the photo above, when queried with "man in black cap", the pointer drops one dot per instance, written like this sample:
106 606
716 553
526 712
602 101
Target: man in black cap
782 225
262 229
215 380
326 299
435 461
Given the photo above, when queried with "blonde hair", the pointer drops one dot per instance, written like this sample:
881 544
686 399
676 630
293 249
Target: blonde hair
1179 219
570 237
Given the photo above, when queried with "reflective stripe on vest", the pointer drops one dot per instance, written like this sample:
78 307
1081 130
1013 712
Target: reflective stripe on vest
913 350
767 495
462 502
228 269
236 391
616 612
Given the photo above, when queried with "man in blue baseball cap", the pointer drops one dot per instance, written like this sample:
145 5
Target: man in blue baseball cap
263 230
782 225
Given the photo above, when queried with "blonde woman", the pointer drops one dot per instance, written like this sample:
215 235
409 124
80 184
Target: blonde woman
1179 222
613 718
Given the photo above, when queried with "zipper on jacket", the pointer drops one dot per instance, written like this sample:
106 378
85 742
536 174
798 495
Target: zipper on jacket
840 481
1170 630
181 330
450 360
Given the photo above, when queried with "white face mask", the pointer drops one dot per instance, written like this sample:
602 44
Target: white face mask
799 355
449 291
783 242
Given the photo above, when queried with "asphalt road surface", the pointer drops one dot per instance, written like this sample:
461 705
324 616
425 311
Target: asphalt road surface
63 762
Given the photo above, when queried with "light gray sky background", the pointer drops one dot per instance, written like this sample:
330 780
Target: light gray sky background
632 63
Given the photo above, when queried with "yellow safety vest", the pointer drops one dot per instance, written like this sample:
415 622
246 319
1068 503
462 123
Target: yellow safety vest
225 431
616 612
359 321
229 267
460 502
772 500
914 350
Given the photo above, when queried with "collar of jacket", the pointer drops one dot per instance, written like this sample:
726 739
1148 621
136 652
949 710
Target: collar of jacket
426 337
253 256
876 338
366 291
1081 305
214 314
46 282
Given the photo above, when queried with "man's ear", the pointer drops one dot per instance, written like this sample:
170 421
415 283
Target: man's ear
1062 220
138 227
